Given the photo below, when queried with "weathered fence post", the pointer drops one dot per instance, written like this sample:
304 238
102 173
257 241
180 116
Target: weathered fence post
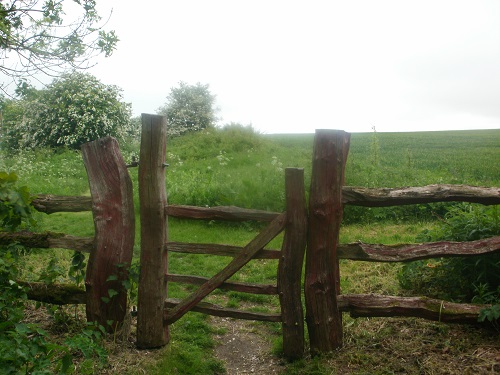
322 279
114 221
152 330
290 265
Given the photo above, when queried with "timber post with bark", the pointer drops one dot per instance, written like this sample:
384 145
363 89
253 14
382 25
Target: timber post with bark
322 279
152 329
290 264
114 222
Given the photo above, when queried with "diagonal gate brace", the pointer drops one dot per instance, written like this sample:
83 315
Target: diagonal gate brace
248 252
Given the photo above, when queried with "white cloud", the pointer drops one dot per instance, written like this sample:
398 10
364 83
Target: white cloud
293 66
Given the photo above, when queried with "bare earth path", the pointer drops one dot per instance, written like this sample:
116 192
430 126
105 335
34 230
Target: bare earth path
243 348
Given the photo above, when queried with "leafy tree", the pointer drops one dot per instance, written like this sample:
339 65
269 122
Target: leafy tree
189 108
11 112
72 110
50 36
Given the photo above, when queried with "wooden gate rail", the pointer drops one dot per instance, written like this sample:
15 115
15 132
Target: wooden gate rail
229 213
211 309
262 239
216 249
288 288
227 285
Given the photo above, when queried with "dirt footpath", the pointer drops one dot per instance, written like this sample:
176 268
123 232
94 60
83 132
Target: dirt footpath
243 348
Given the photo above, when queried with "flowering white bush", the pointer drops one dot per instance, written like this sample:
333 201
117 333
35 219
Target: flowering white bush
189 108
72 110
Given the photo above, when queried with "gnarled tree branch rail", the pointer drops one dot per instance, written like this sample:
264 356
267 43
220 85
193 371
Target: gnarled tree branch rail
374 305
386 197
411 252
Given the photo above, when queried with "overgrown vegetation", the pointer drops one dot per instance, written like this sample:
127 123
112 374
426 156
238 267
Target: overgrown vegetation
26 347
235 165
473 279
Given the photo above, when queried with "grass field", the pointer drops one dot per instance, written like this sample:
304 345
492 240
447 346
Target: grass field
238 167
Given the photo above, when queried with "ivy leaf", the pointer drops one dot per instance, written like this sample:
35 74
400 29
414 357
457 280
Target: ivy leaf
112 293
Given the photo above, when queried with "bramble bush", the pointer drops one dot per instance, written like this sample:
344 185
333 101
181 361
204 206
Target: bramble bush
462 279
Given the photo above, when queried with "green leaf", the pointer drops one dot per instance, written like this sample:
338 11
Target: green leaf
112 278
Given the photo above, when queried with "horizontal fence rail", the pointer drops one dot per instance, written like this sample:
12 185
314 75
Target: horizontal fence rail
411 252
49 240
227 285
211 309
373 305
57 294
216 249
384 197
230 213
50 204
351 195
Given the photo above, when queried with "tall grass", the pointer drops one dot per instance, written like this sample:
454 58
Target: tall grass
236 166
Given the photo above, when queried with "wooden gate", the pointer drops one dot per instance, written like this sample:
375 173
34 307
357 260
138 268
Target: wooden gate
153 316
317 226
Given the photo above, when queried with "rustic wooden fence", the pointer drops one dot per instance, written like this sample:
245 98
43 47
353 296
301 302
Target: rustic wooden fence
317 226
156 311
110 250
324 302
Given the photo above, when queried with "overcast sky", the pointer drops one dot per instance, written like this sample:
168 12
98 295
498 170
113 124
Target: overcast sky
295 66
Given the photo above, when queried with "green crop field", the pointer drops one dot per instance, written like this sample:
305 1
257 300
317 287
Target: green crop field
238 167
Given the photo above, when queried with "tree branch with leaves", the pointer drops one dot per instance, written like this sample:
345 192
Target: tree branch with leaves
50 37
